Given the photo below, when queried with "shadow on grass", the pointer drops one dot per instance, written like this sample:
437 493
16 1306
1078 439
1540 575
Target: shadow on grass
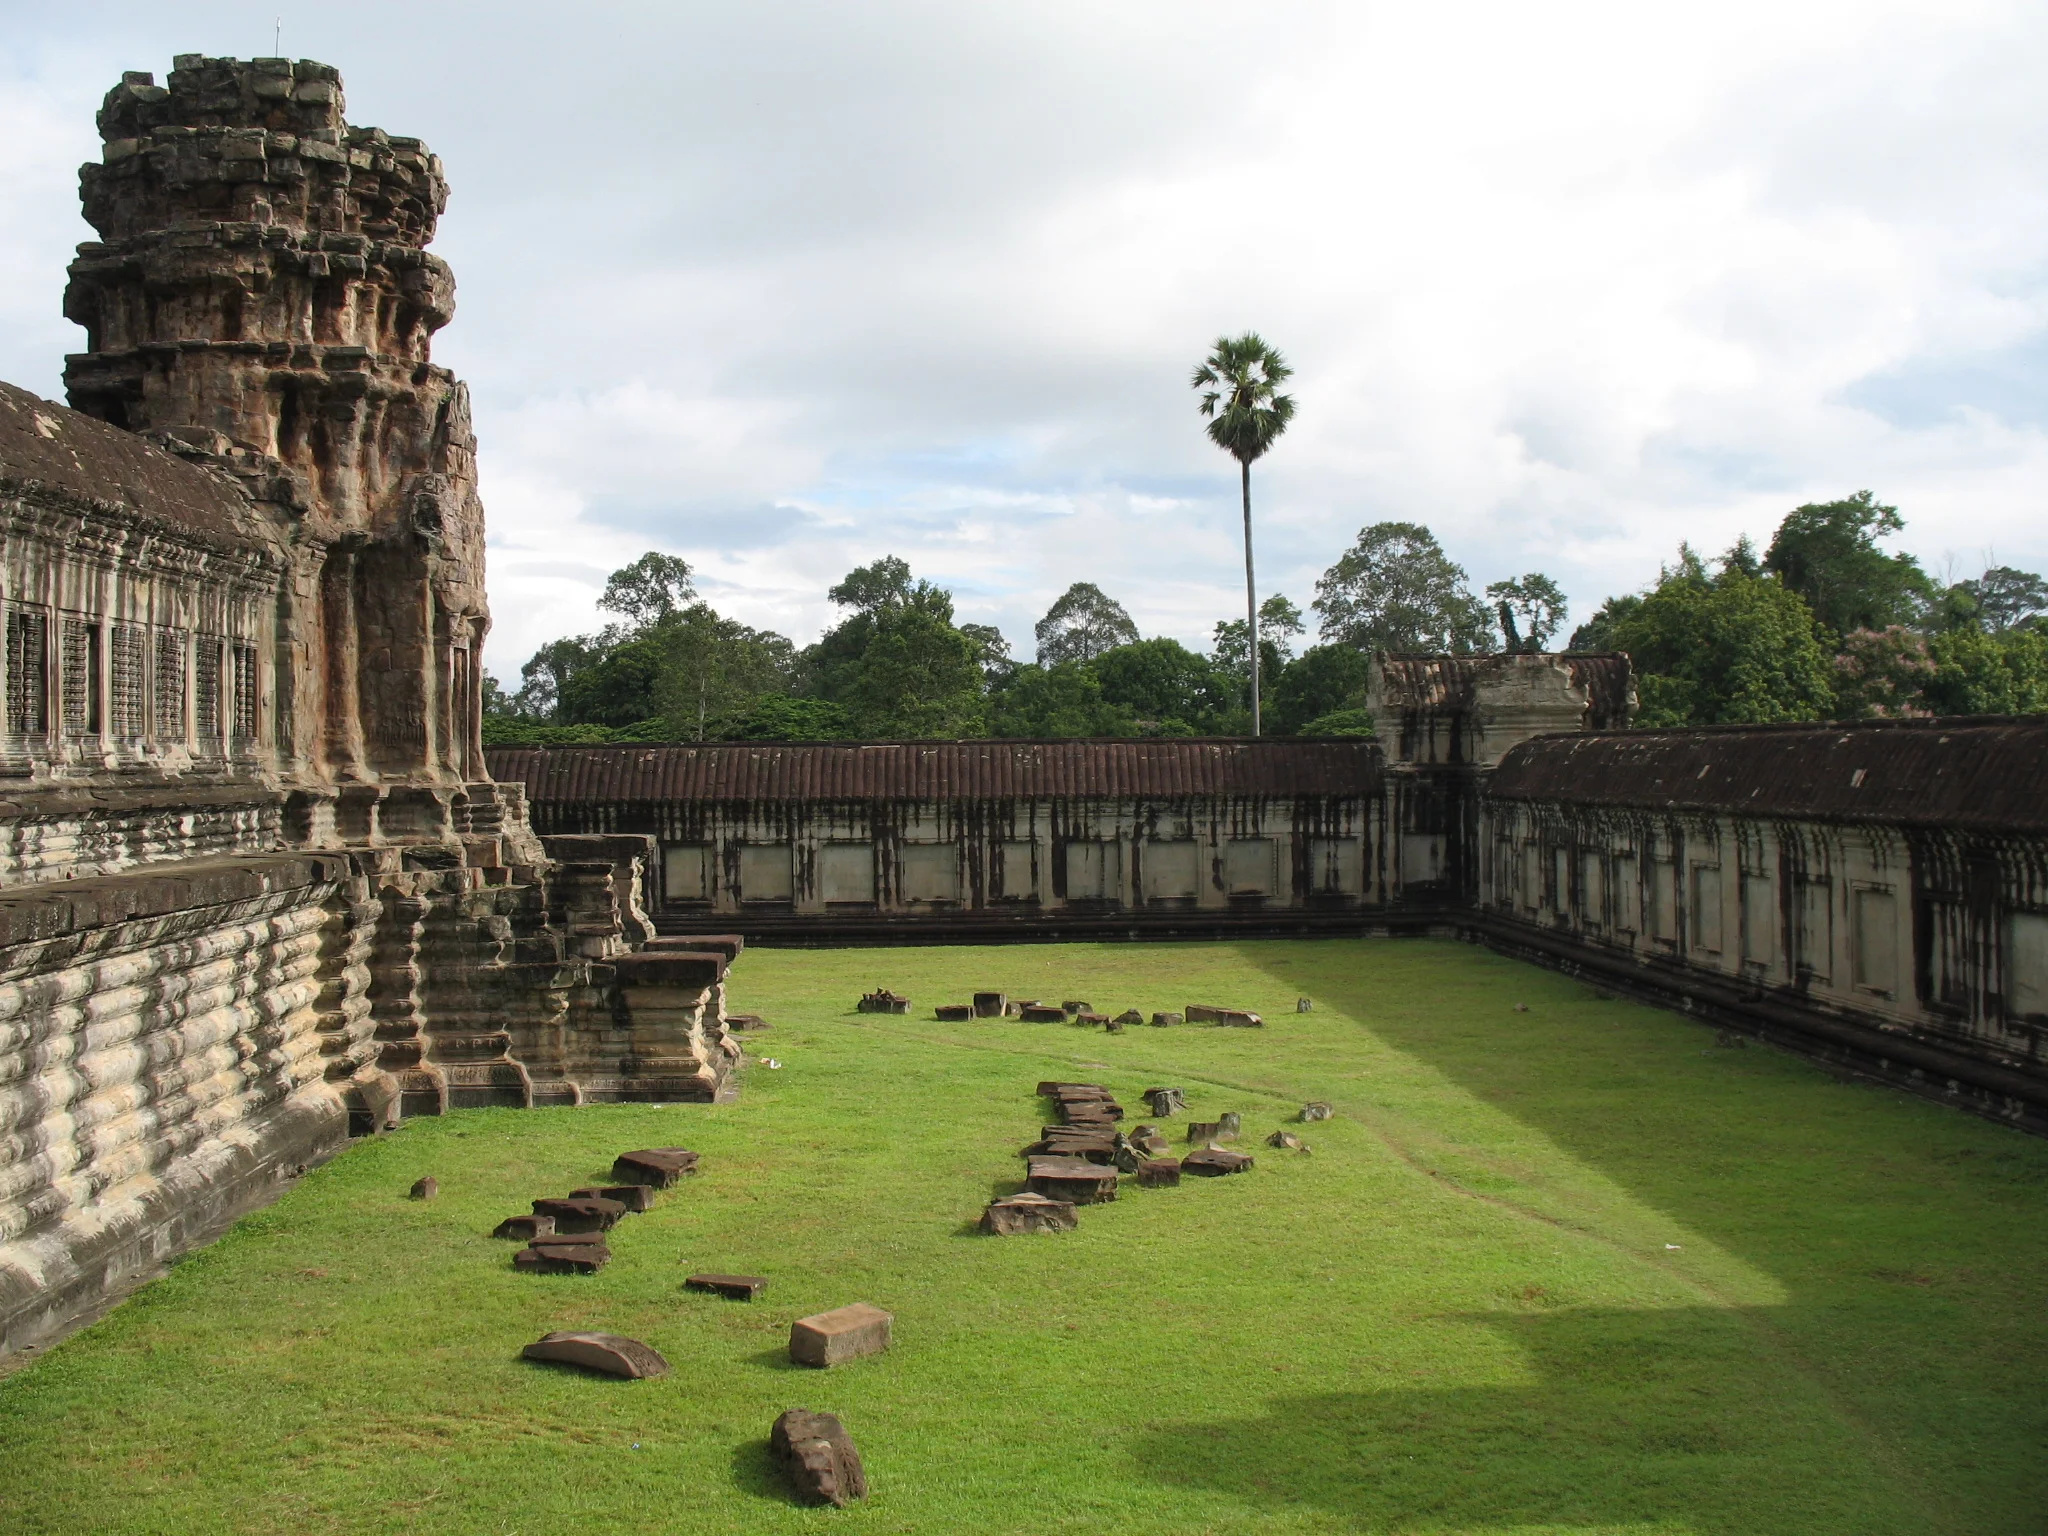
755 1474
777 1359
1669 1419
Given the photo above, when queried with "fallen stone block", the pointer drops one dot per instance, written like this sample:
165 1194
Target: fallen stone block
1316 1109
1130 1016
424 1189
525 1228
1204 1130
563 1259
1158 1173
1043 1013
1048 1089
1211 1162
1072 1179
845 1333
1240 1018
1228 1124
1073 1007
1150 1139
1109 1025
989 1005
1164 1019
954 1013
1287 1141
1303 1005
608 1354
882 1001
634 1197
817 1456
591 1214
1028 1212
1015 1007
1166 1101
726 944
745 1023
733 1287
656 1167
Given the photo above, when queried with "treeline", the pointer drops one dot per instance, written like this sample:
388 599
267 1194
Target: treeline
1824 624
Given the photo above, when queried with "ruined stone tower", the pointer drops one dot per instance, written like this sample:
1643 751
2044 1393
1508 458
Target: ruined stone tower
262 291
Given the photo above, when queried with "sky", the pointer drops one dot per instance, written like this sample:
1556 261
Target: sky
786 287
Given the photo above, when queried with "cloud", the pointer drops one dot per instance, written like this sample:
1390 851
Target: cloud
786 287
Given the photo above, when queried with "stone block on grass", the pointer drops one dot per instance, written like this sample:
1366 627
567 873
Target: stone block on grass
525 1228
1158 1173
1073 1179
1043 1013
989 1005
1316 1109
1287 1141
424 1189
590 1214
1162 1020
1028 1212
1166 1101
732 1287
607 1354
656 1167
562 1259
1210 1162
845 1333
818 1457
882 1001
634 1197
953 1013
1239 1018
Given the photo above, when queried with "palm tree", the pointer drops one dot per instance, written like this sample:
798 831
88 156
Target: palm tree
1245 415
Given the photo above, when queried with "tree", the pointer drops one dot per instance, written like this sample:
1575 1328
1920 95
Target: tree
1396 590
991 653
868 588
1081 624
1723 649
713 668
1827 553
1279 624
1239 381
1882 672
1168 689
1323 680
781 717
648 590
2005 597
1531 610
1597 633
1989 674
551 670
898 665
1064 700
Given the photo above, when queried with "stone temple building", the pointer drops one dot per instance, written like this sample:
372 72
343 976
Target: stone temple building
257 887
261 888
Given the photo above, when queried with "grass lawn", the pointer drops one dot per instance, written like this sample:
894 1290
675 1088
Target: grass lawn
1575 1269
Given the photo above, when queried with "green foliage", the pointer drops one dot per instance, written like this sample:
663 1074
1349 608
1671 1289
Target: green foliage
1396 590
1323 680
899 667
1724 649
1530 608
2003 597
649 590
1827 553
1239 383
1082 623
1342 725
513 731
1230 650
1597 633
2005 673
781 717
1065 700
1167 689
1569 1270
1882 672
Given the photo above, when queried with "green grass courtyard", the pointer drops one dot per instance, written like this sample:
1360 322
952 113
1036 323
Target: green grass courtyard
1575 1269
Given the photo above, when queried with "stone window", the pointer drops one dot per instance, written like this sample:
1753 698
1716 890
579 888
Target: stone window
1018 880
1172 868
1592 895
244 717
1706 908
1815 928
170 685
1661 895
1094 870
1532 875
764 872
1628 895
28 671
1759 919
1874 939
929 872
81 677
206 689
1248 866
1337 865
128 665
1948 951
684 867
2026 966
846 872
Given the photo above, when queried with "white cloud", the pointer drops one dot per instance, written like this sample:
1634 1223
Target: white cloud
785 287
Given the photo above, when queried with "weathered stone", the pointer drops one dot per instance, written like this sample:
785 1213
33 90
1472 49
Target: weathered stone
1130 1016
1204 1130
1229 1124
954 1013
845 1333
1158 1172
607 1354
1316 1109
989 1005
1212 1161
525 1228
1027 1212
748 1023
634 1197
1150 1139
1205 1013
590 1214
1042 1013
1303 1005
1112 1026
733 1287
818 1457
1287 1141
1071 1141
1162 1020
1071 1008
424 1189
563 1259
882 1001
1015 1007
656 1167
1072 1179
1166 1101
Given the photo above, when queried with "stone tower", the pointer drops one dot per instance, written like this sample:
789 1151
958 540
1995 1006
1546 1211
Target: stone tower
261 295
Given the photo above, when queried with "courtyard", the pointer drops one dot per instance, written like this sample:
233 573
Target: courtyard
1560 1263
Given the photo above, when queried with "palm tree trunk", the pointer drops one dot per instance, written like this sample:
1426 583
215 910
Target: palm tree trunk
1251 600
